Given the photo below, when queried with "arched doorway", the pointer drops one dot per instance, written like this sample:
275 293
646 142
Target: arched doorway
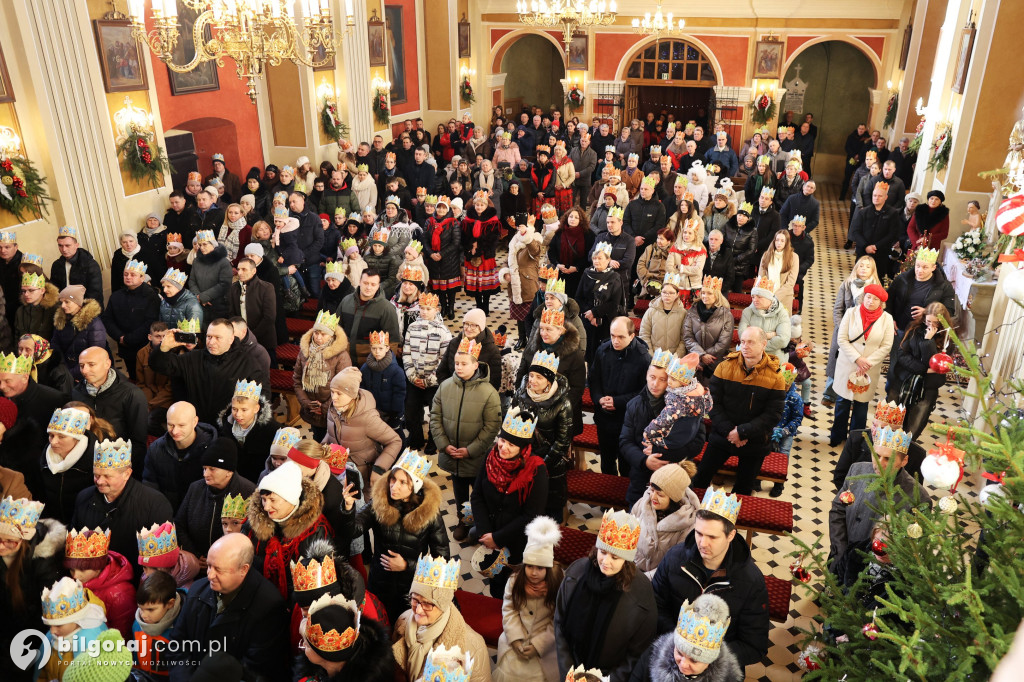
190 144
672 75
832 80
534 68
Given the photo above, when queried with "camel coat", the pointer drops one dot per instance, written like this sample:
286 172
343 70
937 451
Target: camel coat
535 624
875 348
661 329
784 288
337 358
456 633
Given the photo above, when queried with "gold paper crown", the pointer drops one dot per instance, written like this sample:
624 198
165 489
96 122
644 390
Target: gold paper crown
928 255
362 168
481 195
136 266
340 211
555 318
603 247
300 186
615 212
347 244
155 541
381 338
31 280
712 284
195 176
415 245
87 543
884 186
248 389
18 517
428 300
542 148
174 237
717 502
746 207
334 268
768 192
546 360
661 358
336 457
332 640
448 665
414 464
176 276
682 181
327 319
66 598
698 630
614 172
764 283
313 574
469 347
389 156
890 414
112 455
548 273
437 572
688 196
70 421
193 325
32 259
673 278
233 507
650 181
620 530
380 235
411 275
556 286
15 364
795 163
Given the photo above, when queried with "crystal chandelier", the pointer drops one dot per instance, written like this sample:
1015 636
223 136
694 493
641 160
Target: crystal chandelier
569 14
254 33
659 24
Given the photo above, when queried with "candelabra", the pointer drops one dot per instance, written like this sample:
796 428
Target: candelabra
658 24
571 15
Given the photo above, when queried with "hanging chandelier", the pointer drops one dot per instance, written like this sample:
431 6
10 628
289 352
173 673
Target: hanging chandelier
571 15
659 24
253 33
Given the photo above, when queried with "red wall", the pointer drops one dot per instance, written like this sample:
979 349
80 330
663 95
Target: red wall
412 74
731 53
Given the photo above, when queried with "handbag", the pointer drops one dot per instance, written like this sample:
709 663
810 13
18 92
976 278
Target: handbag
911 390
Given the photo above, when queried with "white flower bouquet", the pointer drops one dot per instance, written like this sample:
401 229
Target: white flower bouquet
970 245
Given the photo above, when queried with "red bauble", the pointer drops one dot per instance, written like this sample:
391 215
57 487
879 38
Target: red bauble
17 182
21 193
800 573
870 631
941 363
879 547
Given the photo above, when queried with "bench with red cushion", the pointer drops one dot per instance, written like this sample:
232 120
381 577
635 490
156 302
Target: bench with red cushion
575 544
311 305
739 301
281 381
150 439
641 306
597 489
588 404
482 613
775 467
288 354
636 324
297 327
780 593
737 313
583 443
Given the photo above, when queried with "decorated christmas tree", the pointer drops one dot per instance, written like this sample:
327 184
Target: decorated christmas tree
941 592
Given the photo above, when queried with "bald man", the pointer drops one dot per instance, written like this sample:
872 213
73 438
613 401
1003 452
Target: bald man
174 460
113 397
235 610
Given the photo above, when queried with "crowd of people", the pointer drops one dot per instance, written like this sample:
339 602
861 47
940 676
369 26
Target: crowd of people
164 503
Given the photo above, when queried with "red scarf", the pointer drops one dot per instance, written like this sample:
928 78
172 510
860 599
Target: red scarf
868 318
512 475
571 245
435 236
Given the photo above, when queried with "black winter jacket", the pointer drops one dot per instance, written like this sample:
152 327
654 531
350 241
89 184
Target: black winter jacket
503 515
553 434
871 226
124 405
571 366
618 373
253 448
801 204
372 661
173 471
743 243
723 266
84 270
129 313
311 235
61 490
198 519
644 218
490 355
768 223
358 319
138 506
602 293
899 295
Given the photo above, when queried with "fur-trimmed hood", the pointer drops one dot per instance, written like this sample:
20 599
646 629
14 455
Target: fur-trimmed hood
414 521
80 320
663 666
336 347
263 417
218 253
311 505
49 539
51 297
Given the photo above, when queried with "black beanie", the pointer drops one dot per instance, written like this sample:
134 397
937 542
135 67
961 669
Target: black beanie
253 174
936 193
220 667
222 454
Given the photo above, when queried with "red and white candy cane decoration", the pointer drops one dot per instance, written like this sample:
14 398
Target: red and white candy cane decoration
1010 215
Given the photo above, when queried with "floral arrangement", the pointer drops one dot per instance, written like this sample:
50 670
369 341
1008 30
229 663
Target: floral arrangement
466 91
331 123
970 245
574 98
142 158
941 147
381 108
915 144
890 109
762 109
22 188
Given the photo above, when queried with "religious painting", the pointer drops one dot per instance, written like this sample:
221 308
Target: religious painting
6 91
120 59
577 59
963 61
768 59
905 50
202 78
464 49
395 47
319 55
376 35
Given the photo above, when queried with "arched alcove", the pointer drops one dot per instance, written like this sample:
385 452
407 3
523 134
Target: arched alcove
200 138
669 74
534 68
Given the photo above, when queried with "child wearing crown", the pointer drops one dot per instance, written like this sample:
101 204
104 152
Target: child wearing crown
76 617
406 299
336 284
741 238
601 296
380 257
523 274
107 574
479 242
792 416
426 342
652 264
384 378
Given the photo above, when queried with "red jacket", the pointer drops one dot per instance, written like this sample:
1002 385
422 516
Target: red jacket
114 586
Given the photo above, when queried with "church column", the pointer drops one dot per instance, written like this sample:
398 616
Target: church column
354 92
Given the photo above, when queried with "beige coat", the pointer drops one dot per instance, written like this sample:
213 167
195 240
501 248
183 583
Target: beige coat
565 175
370 442
456 633
660 329
657 537
336 356
536 625
784 289
875 348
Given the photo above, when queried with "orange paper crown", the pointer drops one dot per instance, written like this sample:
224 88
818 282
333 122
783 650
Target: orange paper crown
884 186
330 640
428 300
412 274
87 544
469 347
314 574
553 317
381 338
619 534
548 273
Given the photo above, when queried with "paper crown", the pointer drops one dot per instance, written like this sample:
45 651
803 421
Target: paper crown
548 273
682 181
674 279
517 428
217 157
884 186
411 275
174 237
794 163
288 169
548 361
205 236
440 573
112 455
390 156
619 534
662 358
335 268
31 280
429 300
603 247
380 236
469 347
15 364
63 601
8 237
87 543
615 212
381 338
136 266
717 502
655 149
158 545
331 641
414 464
448 665
614 172
768 192
649 181
684 369
415 245
609 148
248 389
233 507
579 674
393 200
544 149
928 255
890 414
18 517
633 156
336 457
746 207
788 372
280 196
688 196
553 317
67 231
798 219
362 168
556 286
69 421
712 284
348 243
215 183
506 135
176 277
481 195
488 562
764 283
340 211
897 439
500 338
32 259
193 326
310 574
698 630
195 176
431 199
279 212
286 438
327 319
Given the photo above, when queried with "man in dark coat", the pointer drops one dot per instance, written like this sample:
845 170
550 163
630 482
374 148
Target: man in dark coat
474 327
76 266
181 218
719 262
232 185
766 221
912 291
208 375
714 559
803 247
260 312
366 310
234 610
802 203
269 273
173 461
198 520
617 375
584 160
643 218
897 190
10 273
876 228
854 148
857 448
209 216
129 312
311 238
28 437
420 173
905 161
112 396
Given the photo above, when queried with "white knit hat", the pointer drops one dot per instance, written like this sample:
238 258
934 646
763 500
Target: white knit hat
542 534
286 481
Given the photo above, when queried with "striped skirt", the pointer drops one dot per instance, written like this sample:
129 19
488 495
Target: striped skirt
483 277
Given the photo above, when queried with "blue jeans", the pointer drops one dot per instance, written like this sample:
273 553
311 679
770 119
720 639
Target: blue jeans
785 445
314 275
842 423
805 391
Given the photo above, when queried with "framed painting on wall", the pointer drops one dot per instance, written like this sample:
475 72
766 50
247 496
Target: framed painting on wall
375 33
6 91
905 50
395 49
203 78
577 58
464 45
120 60
768 59
320 54
963 61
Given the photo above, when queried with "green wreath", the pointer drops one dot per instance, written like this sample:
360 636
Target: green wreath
333 126
466 91
941 149
144 160
890 110
381 110
762 109
22 189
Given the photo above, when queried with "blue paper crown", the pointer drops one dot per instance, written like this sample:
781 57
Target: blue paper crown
175 276
32 259
448 665
516 426
248 389
136 266
547 360
898 439
662 358
414 464
437 572
70 421
605 248
8 237
286 437
673 278
717 502
698 630
218 157
67 231
18 517
157 540
66 598
112 455
681 371
205 236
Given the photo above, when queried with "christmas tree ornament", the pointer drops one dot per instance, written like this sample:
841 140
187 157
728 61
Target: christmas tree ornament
947 505
799 572
914 531
870 631
943 467
811 655
941 363
1010 215
879 548
847 498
